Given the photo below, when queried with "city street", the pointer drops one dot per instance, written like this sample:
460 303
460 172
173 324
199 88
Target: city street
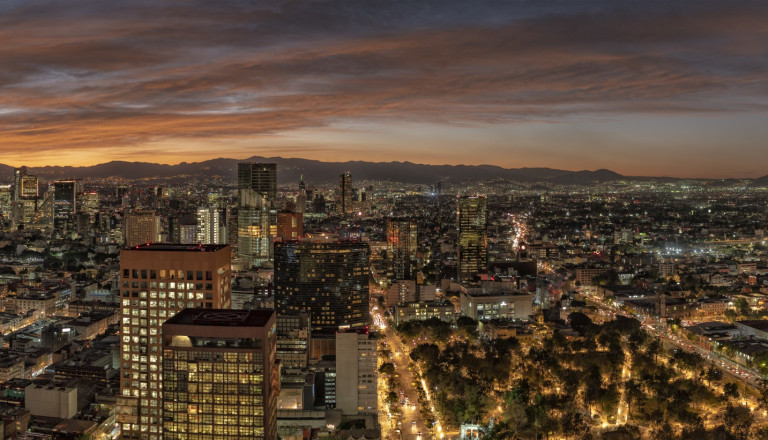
409 422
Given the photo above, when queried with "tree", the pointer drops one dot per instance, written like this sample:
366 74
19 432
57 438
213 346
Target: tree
713 374
742 306
738 421
633 393
573 423
663 432
579 322
387 368
731 390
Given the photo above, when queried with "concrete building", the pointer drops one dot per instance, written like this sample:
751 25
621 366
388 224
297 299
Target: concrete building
221 380
356 372
290 225
51 401
495 300
157 281
420 311
141 227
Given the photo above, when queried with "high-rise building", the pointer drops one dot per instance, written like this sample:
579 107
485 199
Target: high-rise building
64 204
18 174
157 281
356 358
211 226
345 193
220 379
328 278
257 214
473 243
141 227
294 339
290 225
401 247
29 187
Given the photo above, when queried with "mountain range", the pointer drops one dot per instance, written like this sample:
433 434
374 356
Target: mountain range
317 172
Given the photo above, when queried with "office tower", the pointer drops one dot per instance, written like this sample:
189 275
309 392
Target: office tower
356 357
345 193
473 244
211 226
6 200
220 379
290 225
294 339
18 174
257 215
29 187
401 247
64 204
328 278
141 227
156 282
89 203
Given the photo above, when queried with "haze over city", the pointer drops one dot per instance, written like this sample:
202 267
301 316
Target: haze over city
641 88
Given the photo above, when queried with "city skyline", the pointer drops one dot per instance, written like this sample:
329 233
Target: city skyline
652 89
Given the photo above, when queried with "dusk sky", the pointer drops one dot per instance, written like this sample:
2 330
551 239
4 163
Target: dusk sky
676 88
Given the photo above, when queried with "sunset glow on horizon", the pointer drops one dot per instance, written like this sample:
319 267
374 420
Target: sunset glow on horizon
651 89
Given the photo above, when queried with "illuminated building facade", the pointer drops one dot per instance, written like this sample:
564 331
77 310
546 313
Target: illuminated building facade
473 242
211 226
257 215
402 239
141 227
328 278
157 281
220 379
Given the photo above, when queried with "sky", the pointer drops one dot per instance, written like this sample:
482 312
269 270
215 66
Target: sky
652 88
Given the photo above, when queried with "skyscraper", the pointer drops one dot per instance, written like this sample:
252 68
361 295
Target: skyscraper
328 278
211 226
401 247
157 281
64 204
220 380
473 244
141 227
257 213
345 193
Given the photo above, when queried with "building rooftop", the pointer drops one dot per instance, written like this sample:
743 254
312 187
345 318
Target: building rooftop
214 317
759 324
174 247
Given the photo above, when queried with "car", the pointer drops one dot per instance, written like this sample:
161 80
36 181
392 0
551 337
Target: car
413 422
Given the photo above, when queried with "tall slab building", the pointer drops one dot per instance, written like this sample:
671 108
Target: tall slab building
473 240
328 278
257 212
220 379
157 281
402 239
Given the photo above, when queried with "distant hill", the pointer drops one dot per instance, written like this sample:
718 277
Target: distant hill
760 181
319 172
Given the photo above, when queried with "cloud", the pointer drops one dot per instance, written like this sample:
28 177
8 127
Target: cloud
94 75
